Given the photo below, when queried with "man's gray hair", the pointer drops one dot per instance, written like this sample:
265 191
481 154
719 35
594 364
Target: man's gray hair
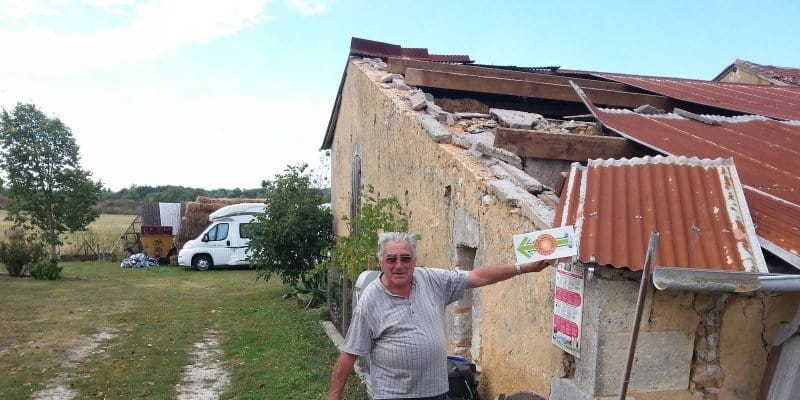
386 237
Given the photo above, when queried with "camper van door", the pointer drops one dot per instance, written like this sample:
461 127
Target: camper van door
217 238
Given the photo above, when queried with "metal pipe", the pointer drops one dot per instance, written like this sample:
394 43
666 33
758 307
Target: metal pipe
640 299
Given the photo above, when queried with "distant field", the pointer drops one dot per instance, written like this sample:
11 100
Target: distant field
105 231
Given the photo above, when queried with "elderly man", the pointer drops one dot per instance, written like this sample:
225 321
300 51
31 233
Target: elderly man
399 321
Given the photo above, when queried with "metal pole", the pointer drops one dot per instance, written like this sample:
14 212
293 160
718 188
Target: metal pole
648 261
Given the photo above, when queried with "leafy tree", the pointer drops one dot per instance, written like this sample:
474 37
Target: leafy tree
47 189
357 252
292 236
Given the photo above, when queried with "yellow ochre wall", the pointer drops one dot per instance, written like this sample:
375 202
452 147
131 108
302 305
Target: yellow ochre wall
513 318
399 159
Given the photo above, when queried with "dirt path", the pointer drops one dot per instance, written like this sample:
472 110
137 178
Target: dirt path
205 379
57 389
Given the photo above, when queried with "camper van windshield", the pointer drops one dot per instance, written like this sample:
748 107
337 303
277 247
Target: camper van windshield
219 232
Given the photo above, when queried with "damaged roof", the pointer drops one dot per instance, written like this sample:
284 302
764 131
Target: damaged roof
774 74
763 148
766 154
696 205
371 48
781 102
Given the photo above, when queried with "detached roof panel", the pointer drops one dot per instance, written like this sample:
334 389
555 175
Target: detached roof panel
767 157
696 206
782 102
371 48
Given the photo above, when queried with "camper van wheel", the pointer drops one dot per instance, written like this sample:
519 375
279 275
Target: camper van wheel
202 263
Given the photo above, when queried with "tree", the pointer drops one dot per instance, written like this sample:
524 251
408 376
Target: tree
292 236
46 187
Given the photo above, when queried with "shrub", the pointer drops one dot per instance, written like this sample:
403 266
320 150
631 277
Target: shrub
46 270
19 253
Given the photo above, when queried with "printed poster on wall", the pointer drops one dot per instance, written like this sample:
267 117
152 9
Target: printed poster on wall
568 308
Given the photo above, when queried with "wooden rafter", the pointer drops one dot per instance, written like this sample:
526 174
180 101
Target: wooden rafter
400 65
514 87
564 146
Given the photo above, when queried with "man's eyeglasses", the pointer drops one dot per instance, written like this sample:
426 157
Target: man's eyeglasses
404 258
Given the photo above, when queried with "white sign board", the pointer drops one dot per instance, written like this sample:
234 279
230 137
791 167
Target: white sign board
568 308
548 244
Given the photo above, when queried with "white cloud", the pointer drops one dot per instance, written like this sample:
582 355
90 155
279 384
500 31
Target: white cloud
156 28
154 136
18 9
308 7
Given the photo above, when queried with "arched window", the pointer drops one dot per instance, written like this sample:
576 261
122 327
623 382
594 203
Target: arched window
355 191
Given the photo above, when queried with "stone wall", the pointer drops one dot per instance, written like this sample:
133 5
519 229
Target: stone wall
505 327
465 199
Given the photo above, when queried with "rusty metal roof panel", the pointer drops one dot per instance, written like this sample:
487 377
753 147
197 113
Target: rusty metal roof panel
371 48
767 157
782 102
696 205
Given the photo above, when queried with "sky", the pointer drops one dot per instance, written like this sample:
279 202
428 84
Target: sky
225 94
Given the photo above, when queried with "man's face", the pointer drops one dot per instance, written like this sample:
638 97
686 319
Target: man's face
398 263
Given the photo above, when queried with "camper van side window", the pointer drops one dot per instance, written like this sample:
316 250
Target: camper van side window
219 232
245 230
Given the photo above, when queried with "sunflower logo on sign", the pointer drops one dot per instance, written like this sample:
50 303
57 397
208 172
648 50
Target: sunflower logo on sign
542 245
545 244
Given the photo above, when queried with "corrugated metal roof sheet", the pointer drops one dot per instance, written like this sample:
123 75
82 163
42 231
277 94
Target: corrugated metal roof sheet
767 157
782 102
697 207
371 48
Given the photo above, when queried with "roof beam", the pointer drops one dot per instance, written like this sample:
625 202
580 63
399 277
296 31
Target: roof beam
513 87
400 65
564 146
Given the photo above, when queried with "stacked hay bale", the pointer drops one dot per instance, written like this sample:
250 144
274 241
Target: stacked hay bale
195 218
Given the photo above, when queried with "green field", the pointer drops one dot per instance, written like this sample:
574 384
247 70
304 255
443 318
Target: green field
145 323
104 233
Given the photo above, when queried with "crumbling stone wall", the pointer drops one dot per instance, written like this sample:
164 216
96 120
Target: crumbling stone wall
461 193
505 327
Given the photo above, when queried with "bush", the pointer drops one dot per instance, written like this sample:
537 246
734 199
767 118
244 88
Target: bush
46 270
19 253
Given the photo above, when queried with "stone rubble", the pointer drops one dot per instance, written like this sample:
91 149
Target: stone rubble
475 132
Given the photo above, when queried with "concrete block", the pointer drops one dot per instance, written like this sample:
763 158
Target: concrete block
400 84
609 305
388 78
508 192
662 363
500 173
500 154
538 212
566 389
466 230
519 176
436 130
648 109
515 119
465 115
417 100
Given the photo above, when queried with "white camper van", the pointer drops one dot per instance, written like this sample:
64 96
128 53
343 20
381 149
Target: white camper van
225 241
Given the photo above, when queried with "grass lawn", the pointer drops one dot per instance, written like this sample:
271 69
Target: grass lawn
148 321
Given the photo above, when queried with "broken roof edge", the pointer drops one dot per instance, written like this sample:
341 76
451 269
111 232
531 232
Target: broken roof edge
327 142
374 48
763 71
576 196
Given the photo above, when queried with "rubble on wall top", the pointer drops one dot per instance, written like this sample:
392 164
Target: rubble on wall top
474 130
